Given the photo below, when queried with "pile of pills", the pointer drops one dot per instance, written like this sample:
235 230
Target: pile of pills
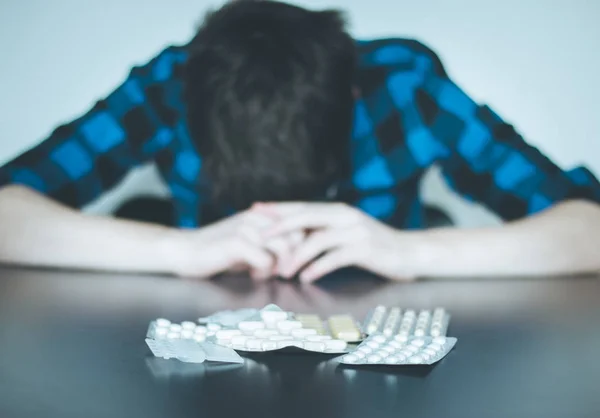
394 321
379 349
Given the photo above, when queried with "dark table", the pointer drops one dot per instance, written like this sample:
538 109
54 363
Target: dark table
72 345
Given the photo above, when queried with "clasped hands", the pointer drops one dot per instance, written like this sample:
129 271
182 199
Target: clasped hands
308 239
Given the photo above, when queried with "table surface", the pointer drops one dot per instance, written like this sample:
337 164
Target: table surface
72 345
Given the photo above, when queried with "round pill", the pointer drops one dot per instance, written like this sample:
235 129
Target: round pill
162 322
416 360
374 359
314 346
411 349
188 325
254 343
335 345
392 360
389 348
161 332
401 357
303 332
365 349
273 316
395 344
200 329
350 358
439 340
187 334
419 332
388 331
360 355
175 328
173 335
213 327
372 344
401 338
269 345
379 339
429 351
382 353
418 342
435 347
435 332
409 313
239 340
406 353
425 356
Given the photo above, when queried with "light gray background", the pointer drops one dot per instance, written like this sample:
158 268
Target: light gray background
535 62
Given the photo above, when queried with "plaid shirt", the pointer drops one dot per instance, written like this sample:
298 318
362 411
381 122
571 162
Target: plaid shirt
409 116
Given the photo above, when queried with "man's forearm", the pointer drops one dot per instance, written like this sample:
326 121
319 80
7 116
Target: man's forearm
36 231
562 240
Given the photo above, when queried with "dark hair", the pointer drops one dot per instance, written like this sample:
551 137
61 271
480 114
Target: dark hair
270 105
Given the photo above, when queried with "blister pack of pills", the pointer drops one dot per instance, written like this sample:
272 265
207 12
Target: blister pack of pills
379 349
187 342
407 323
272 328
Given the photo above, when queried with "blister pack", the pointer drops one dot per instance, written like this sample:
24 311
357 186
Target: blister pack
379 349
407 323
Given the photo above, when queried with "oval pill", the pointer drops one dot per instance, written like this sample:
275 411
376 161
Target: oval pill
416 360
374 359
350 358
188 325
335 344
162 322
303 332
314 346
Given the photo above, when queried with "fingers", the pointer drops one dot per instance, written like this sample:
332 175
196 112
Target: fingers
316 244
259 260
334 260
315 216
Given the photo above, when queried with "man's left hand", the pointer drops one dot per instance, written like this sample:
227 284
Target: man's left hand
345 236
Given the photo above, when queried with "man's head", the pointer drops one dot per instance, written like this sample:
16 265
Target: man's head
269 93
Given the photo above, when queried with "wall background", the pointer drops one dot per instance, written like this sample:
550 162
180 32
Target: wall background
536 63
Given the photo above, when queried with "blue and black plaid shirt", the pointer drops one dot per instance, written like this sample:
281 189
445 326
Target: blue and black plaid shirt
410 116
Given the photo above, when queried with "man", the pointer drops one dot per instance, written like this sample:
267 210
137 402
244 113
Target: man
291 148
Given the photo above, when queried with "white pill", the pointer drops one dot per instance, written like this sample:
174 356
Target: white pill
175 328
251 325
239 340
416 360
288 326
254 343
213 327
389 348
269 345
401 338
392 360
430 351
173 335
374 359
434 346
435 332
200 329
335 345
365 349
318 338
161 332
188 325
379 339
418 342
425 356
439 340
350 358
412 349
314 346
419 332
303 332
388 331
372 344
279 337
187 334
162 322
409 313
382 353
264 333
395 344
227 334
401 357
360 354
273 316
199 338
289 343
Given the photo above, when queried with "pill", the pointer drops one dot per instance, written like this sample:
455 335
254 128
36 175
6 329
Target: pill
161 332
365 349
425 356
435 332
317 338
406 353
412 349
376 319
360 355
227 334
429 351
379 339
395 344
311 321
389 349
175 328
392 360
269 345
254 343
416 360
314 346
288 326
264 333
251 325
418 342
435 347
199 338
279 337
343 327
303 332
239 340
162 322
409 313
439 340
401 357
350 358
374 358
188 325
401 338
200 330
382 353
173 335
213 327
289 343
273 316
187 334
419 332
335 344
372 344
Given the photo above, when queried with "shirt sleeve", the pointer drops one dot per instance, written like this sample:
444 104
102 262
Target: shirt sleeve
89 155
485 159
